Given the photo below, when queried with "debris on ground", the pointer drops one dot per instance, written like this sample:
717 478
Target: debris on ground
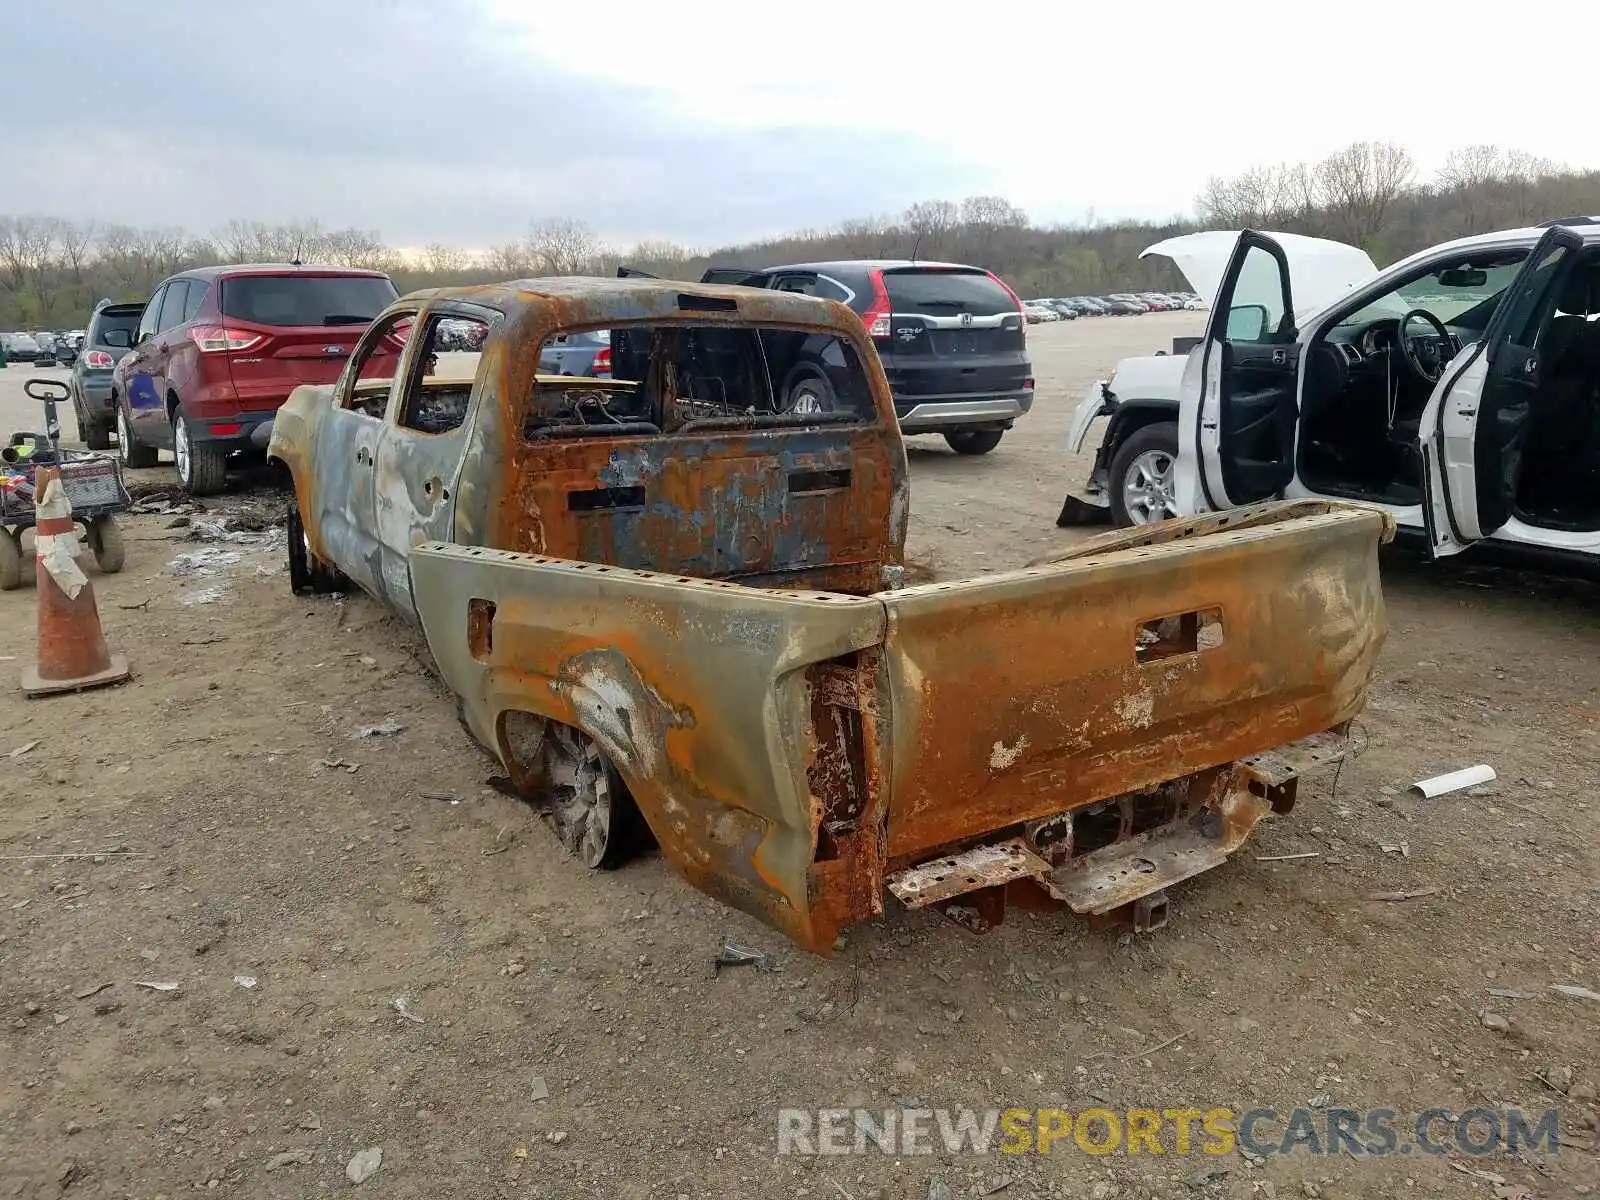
1397 897
1574 991
1453 781
292 1158
538 1090
209 595
24 748
155 986
734 955
93 989
338 764
403 1006
364 1164
203 563
1496 1022
385 728
245 981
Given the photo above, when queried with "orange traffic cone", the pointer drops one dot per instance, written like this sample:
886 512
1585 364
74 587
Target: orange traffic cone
72 651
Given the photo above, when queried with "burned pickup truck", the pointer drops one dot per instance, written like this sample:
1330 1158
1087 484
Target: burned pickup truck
668 596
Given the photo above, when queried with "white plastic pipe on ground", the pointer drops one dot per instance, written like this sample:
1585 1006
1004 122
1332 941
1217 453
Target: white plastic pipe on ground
1453 782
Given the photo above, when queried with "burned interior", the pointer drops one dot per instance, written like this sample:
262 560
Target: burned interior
716 449
685 376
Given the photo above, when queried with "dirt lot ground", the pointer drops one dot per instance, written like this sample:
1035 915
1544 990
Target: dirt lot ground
225 849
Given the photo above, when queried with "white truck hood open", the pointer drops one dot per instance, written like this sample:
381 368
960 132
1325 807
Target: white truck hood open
1320 271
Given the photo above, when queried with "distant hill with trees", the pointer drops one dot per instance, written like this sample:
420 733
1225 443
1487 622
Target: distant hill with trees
53 269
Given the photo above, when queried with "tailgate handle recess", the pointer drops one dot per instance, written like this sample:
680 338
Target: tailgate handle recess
595 499
819 481
1180 633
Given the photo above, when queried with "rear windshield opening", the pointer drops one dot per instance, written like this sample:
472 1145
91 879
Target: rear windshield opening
941 293
306 299
125 321
686 375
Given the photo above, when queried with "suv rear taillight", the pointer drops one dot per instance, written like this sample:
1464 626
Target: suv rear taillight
876 318
98 360
602 362
1015 299
211 338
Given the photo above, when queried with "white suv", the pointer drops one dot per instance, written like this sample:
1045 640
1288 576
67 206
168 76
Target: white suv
1459 388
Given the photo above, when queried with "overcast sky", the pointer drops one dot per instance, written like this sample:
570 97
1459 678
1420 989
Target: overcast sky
460 120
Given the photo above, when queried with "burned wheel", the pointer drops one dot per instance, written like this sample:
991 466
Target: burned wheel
307 572
586 801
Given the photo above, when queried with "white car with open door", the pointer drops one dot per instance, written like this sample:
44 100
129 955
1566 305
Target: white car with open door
1130 481
1459 388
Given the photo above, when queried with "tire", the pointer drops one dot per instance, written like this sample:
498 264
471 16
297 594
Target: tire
974 441
130 450
10 561
95 434
307 572
105 539
202 469
1142 453
809 393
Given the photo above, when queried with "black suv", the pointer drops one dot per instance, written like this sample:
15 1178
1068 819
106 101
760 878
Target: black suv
951 338
109 337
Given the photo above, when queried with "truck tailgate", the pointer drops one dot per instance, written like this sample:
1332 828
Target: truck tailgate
1139 658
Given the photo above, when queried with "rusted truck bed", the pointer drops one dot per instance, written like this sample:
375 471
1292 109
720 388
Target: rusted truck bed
1099 726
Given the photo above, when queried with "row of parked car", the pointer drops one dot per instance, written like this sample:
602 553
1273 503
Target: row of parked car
201 368
1117 304
41 348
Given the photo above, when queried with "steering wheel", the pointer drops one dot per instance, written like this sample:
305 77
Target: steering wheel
1428 358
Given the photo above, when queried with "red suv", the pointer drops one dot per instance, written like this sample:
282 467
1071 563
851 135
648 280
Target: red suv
220 348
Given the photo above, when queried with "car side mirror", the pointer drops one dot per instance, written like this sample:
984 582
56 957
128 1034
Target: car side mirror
1247 323
144 336
115 337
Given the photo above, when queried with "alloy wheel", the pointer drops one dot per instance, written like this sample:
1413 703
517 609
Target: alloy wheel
1147 488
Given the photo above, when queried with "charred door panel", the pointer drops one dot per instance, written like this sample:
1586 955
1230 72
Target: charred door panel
1022 695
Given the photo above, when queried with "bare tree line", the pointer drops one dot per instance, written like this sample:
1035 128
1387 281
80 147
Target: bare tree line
53 270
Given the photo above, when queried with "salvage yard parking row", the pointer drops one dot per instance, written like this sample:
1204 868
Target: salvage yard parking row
432 976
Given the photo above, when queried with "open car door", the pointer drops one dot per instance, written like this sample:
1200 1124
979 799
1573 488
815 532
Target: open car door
1238 406
1472 430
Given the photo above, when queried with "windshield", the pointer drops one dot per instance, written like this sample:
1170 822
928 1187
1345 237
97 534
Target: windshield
1450 293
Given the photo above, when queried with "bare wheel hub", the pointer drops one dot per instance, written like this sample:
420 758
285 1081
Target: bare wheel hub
580 793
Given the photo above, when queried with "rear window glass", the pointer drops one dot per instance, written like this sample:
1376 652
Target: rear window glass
306 299
942 292
683 376
126 321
